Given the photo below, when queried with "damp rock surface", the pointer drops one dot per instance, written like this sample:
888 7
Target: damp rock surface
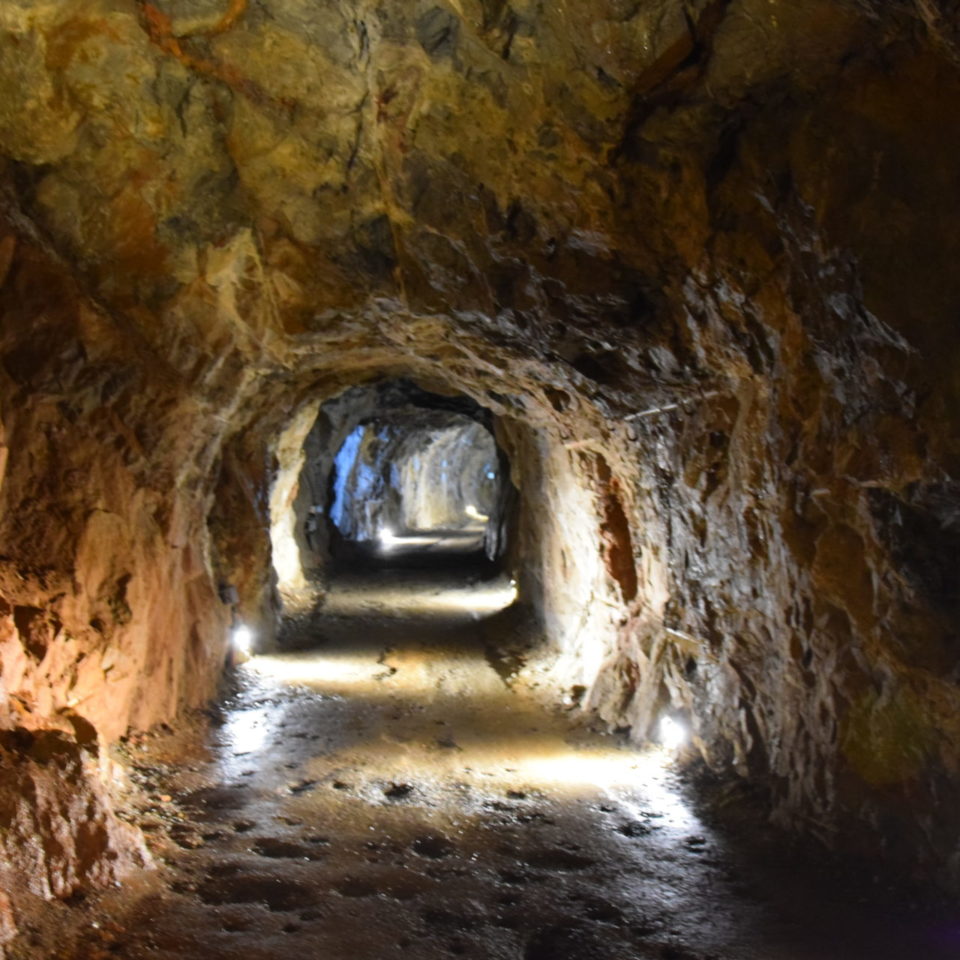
511 848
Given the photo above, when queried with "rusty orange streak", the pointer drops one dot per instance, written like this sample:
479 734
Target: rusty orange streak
160 30
237 9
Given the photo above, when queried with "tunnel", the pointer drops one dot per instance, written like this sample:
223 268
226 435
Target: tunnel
421 477
479 479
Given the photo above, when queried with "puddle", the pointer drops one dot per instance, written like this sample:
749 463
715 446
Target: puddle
275 893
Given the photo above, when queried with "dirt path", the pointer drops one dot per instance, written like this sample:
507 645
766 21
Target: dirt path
386 795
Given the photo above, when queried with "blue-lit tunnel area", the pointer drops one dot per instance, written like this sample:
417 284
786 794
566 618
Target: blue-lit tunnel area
396 475
415 481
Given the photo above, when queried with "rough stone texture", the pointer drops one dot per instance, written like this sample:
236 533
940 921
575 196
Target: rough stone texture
698 258
57 832
108 615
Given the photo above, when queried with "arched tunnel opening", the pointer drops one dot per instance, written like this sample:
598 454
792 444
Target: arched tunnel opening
403 500
419 478
479 479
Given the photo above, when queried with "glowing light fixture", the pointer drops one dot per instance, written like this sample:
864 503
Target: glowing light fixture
387 538
673 734
242 639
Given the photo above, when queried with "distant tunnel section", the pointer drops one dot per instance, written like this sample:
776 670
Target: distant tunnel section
394 474
412 482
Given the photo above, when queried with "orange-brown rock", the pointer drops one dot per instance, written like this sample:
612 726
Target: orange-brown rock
708 244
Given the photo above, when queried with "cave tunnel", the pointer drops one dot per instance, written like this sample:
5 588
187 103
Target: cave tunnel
398 494
479 479
418 480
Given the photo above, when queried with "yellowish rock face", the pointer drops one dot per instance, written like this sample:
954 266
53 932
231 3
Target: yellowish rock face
697 258
406 149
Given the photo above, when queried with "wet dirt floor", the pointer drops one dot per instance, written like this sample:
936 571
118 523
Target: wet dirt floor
387 794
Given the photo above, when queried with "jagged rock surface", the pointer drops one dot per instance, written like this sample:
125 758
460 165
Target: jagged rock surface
696 257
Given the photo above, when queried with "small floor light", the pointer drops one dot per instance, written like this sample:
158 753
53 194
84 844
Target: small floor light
673 734
387 538
242 638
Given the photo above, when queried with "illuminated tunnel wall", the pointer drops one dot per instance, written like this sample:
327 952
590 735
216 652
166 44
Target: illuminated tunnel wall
720 352
384 455
435 472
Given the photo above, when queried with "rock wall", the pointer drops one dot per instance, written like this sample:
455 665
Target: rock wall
59 835
107 615
785 502
696 258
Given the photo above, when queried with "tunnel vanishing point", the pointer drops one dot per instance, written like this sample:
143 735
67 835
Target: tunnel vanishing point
693 265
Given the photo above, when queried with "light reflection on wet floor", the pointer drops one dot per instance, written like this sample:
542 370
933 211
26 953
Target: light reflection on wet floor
386 794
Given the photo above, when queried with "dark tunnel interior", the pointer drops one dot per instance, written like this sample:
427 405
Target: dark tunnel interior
479 478
419 480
